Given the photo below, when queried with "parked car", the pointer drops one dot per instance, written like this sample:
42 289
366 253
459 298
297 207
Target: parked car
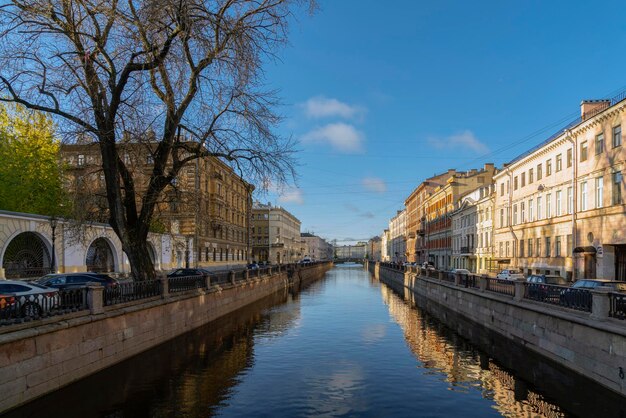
18 298
544 287
572 297
252 266
510 274
76 280
460 271
427 265
186 272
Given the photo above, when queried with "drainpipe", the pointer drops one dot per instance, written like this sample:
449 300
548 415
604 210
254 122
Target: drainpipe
574 143
509 216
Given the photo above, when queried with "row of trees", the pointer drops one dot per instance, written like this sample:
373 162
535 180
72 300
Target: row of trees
111 70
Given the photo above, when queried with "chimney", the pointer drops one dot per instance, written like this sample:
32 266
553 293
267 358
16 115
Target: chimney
590 108
488 167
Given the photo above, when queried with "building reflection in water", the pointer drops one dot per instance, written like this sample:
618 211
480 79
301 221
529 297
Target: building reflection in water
465 368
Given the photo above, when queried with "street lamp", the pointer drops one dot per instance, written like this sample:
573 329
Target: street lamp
53 227
187 239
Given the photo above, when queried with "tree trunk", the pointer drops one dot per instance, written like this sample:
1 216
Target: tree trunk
141 265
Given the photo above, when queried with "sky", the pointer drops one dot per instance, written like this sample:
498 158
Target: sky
382 95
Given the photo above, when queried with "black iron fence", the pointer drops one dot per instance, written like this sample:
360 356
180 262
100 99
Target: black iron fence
184 283
18 309
130 291
545 293
504 287
468 280
617 305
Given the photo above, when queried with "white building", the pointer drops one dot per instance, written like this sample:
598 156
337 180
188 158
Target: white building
397 235
316 248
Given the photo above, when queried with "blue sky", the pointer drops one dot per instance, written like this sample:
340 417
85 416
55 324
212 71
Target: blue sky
382 95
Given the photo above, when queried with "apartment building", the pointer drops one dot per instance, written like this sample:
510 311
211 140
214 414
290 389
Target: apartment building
559 208
440 205
356 251
472 232
385 246
207 203
397 236
415 206
374 249
316 248
275 235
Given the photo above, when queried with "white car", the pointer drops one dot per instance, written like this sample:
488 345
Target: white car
18 298
510 274
461 271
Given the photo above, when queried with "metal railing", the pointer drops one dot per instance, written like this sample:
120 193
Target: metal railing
504 287
468 280
579 299
130 291
184 283
617 305
18 309
546 293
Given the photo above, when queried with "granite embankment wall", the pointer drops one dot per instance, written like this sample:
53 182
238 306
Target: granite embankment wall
46 355
595 348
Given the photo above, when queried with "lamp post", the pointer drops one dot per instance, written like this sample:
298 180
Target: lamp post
53 227
187 252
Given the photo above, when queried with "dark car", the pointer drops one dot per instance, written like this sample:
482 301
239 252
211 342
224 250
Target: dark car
76 280
578 296
544 287
186 272
252 266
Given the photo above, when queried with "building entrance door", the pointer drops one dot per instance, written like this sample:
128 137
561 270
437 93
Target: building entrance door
620 262
590 266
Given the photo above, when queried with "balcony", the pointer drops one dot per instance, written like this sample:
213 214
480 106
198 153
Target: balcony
278 245
467 250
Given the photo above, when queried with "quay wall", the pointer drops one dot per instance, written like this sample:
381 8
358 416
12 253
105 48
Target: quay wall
41 357
576 340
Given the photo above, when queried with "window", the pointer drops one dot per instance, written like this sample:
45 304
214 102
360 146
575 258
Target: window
569 248
569 158
539 172
549 205
530 247
538 249
500 251
617 136
559 162
599 144
530 176
514 214
548 167
521 248
523 179
502 189
557 246
522 213
599 192
515 183
570 200
558 203
617 188
538 207
507 248
548 247
583 151
583 195
530 210
501 218
81 160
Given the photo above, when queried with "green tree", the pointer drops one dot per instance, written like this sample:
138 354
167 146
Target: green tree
30 173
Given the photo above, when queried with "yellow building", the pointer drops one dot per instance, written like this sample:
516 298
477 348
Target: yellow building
559 207
207 203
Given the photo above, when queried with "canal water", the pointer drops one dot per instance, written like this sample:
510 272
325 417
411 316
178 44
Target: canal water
346 346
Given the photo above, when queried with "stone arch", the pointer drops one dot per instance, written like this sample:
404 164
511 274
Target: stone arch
101 256
27 254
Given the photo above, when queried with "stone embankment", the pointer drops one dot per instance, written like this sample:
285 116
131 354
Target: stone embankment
41 356
592 344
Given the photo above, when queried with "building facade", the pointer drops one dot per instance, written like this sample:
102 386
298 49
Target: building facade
275 235
374 251
356 251
397 235
316 248
385 246
559 208
207 203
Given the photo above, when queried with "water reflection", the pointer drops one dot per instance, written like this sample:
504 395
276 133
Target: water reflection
462 365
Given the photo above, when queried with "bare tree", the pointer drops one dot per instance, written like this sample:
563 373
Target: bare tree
115 70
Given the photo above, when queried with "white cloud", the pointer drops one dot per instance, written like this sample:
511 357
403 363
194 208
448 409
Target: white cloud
465 140
291 195
374 184
322 107
341 136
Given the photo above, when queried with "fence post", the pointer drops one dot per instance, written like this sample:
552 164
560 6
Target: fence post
457 279
440 275
600 303
95 299
207 283
247 274
165 287
231 277
482 283
520 289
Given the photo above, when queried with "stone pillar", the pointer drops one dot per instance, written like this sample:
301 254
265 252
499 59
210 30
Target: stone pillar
95 299
269 271
231 277
440 275
520 289
207 283
165 287
247 274
482 283
600 303
457 279
2 276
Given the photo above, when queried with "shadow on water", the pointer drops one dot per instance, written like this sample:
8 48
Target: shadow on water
191 375
520 382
